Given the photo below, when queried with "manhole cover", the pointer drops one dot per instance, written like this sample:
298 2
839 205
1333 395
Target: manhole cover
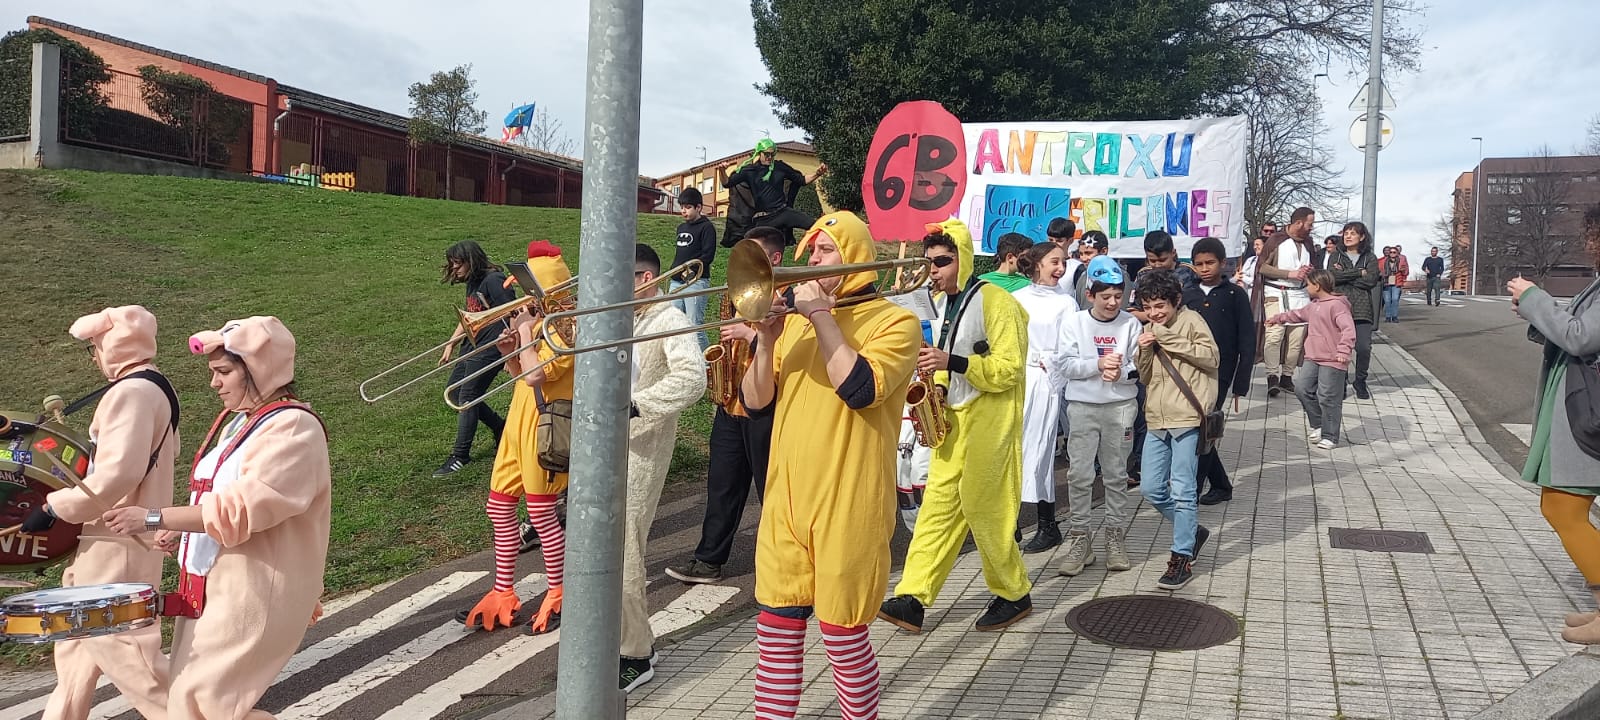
1379 540
1152 622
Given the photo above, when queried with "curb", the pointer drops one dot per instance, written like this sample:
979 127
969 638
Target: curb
1463 418
1550 695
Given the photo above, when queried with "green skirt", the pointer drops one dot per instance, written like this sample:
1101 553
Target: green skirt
1537 469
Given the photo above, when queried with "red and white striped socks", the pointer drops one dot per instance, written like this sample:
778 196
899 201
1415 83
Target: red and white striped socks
780 668
502 510
855 670
780 665
552 539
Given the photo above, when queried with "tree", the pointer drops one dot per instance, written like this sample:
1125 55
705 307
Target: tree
547 135
1287 165
1285 43
82 96
1591 145
444 108
838 66
208 121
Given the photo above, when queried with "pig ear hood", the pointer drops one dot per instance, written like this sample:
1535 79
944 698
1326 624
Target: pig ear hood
124 337
265 345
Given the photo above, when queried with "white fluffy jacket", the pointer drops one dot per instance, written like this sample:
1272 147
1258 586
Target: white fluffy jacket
672 376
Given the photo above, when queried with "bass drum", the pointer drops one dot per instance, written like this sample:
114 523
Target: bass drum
36 457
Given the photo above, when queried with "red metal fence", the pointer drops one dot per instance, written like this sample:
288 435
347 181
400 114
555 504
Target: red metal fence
163 120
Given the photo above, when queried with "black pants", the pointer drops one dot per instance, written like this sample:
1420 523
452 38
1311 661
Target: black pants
1140 427
467 421
786 220
738 448
1363 350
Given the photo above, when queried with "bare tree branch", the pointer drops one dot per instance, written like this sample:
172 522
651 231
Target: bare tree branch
1287 164
546 134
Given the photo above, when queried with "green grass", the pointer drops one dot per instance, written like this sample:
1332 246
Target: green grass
354 276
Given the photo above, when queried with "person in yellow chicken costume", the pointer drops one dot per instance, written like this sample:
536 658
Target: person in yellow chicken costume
975 478
518 474
834 378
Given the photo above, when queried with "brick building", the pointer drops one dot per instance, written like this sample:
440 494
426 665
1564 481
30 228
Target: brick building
287 128
1531 218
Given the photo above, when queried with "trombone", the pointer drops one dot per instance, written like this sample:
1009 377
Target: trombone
469 325
564 326
753 284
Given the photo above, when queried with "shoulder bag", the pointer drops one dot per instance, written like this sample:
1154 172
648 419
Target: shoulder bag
1211 423
552 435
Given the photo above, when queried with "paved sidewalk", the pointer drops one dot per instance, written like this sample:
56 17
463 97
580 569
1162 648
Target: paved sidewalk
1325 633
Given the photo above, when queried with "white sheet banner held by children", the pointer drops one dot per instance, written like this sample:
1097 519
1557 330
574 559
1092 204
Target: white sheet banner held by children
1122 178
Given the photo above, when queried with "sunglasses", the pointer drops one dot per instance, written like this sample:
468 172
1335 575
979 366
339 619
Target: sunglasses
942 260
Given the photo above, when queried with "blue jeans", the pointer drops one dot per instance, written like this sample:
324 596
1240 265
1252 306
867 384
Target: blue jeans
1171 460
694 307
1391 303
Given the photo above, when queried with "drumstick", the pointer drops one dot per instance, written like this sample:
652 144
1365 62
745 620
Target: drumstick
72 479
7 532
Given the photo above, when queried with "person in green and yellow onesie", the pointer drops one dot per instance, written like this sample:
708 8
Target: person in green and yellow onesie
975 479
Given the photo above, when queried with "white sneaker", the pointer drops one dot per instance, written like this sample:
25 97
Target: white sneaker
1314 434
1326 444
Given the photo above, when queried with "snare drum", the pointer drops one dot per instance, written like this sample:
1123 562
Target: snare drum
70 613
35 457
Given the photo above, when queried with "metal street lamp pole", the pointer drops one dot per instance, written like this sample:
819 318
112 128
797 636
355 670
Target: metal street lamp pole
1477 205
1369 175
586 688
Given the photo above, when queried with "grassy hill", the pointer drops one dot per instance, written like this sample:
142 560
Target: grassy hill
354 276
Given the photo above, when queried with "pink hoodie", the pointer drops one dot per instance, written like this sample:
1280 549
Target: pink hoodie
1332 331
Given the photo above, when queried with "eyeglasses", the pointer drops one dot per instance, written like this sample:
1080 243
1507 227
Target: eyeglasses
942 260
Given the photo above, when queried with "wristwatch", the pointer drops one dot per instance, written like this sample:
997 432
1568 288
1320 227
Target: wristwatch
152 519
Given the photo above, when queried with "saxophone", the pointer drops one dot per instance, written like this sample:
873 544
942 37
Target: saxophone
929 410
726 363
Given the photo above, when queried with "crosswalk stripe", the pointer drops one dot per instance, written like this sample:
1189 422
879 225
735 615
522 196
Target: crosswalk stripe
117 705
1523 431
689 608
380 621
331 697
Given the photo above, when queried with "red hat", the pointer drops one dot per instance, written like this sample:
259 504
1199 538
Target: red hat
542 248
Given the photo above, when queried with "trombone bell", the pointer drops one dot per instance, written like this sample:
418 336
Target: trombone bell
753 282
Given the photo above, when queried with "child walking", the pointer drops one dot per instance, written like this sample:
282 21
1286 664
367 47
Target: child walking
1330 339
1102 399
1177 358
1050 314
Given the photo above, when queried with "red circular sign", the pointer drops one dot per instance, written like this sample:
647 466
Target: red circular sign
916 170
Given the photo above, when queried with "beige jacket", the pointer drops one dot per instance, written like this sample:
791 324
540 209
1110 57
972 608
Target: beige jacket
1187 342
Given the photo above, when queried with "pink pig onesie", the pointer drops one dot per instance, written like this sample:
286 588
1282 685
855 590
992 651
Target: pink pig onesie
266 508
135 445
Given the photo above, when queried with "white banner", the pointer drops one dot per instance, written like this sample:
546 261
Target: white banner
1122 178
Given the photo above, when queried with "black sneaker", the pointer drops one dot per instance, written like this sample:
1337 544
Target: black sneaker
530 538
635 672
1272 386
1004 613
1287 383
1200 536
696 573
1362 393
451 466
1178 573
1214 496
902 611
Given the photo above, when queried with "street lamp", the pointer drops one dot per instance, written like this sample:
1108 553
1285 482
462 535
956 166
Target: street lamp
1477 206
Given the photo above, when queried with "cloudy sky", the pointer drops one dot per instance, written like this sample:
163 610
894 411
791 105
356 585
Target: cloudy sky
1517 78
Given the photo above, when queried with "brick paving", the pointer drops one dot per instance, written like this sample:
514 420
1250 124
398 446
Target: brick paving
1325 633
